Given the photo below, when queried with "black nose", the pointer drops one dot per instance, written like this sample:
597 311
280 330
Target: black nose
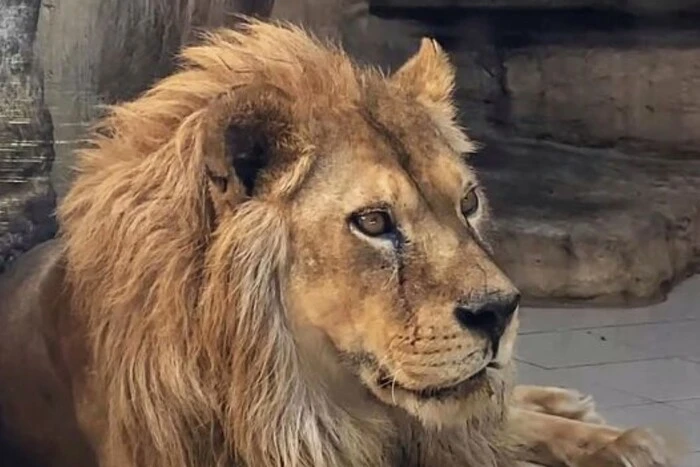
490 316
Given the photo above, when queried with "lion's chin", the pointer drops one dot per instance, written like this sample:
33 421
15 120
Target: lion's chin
480 397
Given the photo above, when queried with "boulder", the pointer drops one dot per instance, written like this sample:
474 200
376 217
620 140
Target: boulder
609 90
594 226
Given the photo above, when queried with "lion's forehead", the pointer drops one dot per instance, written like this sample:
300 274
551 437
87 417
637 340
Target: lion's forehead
389 149
402 159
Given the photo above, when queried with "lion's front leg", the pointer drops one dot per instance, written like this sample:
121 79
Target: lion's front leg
554 441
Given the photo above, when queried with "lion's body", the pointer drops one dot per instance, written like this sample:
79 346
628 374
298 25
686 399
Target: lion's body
148 291
37 416
219 296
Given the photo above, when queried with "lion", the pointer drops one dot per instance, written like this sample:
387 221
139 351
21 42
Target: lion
277 257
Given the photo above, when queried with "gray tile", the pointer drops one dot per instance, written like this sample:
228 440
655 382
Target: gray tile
530 374
690 405
574 348
659 340
605 397
691 461
668 421
684 301
624 358
682 304
660 380
534 320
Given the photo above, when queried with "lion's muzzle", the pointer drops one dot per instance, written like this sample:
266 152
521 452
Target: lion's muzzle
489 316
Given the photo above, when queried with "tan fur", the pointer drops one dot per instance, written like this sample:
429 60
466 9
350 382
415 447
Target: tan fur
223 328
160 299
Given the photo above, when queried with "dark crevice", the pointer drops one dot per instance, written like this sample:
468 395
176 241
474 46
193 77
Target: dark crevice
516 28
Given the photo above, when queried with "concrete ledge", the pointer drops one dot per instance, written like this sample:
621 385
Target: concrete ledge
590 225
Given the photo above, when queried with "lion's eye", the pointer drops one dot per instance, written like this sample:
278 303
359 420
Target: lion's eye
469 204
373 223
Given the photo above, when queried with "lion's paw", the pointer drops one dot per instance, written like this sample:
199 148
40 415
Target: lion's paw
637 447
578 406
569 403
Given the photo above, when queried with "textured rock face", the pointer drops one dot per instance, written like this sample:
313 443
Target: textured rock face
636 6
27 200
594 225
638 98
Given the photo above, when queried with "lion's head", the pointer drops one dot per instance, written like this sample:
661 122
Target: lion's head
278 253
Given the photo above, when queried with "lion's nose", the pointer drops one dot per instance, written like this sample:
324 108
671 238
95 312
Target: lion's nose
490 316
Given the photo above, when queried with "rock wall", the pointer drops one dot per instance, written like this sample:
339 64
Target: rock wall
27 199
640 7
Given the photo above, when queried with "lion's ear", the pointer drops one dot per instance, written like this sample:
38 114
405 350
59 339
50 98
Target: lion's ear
249 152
429 74
245 154
251 129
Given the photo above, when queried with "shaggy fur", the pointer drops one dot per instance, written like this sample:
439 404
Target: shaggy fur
183 282
159 290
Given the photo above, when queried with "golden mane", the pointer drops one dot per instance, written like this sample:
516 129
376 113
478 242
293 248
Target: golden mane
188 335
173 310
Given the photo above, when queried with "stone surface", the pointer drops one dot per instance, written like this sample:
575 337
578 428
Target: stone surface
640 99
27 199
596 226
636 6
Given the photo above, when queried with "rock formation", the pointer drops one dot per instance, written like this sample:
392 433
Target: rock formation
27 199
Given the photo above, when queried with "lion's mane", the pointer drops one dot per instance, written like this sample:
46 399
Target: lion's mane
189 345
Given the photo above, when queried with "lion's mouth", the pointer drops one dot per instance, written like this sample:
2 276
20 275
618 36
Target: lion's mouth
465 386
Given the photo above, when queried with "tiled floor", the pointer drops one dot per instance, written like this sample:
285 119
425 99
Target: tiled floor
642 365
